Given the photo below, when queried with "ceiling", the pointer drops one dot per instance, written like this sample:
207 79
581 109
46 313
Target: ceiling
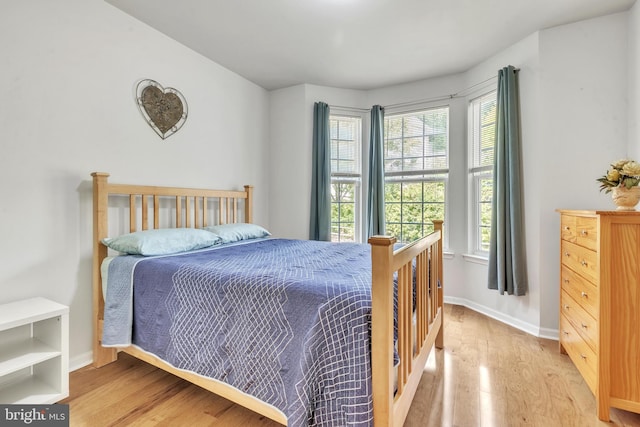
355 44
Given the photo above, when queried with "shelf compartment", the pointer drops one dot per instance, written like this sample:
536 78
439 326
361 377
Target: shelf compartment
25 353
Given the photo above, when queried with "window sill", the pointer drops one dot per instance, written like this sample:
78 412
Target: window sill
448 255
476 259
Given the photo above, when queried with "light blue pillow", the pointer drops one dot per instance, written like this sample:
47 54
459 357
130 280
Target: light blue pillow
230 233
162 241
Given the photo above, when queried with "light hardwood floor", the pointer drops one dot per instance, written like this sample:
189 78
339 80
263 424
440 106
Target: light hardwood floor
489 374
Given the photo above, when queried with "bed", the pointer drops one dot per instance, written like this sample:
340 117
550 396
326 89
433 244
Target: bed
401 301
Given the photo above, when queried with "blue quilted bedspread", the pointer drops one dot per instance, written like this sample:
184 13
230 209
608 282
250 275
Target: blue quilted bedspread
286 321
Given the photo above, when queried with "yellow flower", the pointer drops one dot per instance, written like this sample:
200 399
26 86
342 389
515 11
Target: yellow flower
620 163
613 175
624 172
631 168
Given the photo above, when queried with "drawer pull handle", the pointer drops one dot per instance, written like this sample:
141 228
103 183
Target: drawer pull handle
565 332
584 357
584 232
566 307
566 227
583 263
584 294
583 326
565 280
567 254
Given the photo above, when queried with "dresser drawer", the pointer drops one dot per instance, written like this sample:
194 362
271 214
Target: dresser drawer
587 232
584 292
568 228
580 353
581 260
582 321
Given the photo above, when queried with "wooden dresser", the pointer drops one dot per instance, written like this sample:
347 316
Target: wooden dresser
600 303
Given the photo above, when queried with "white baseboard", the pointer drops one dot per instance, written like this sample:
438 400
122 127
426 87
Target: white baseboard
80 361
534 330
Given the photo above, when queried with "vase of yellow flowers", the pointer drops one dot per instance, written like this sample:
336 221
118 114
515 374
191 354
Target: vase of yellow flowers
622 181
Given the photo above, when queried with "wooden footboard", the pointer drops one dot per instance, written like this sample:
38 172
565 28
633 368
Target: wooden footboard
419 326
420 323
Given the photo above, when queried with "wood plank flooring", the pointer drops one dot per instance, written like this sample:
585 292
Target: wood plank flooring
488 375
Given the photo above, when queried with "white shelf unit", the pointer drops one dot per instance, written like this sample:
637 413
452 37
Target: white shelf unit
34 352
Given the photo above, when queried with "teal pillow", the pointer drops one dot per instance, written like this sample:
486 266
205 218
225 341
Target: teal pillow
230 233
162 241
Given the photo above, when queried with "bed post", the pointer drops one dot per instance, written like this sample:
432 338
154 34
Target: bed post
248 206
382 329
101 355
437 226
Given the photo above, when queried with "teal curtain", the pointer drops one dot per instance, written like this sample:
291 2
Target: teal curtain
375 200
320 221
507 256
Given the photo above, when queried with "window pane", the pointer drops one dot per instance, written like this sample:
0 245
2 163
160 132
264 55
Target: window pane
434 191
485 238
486 189
482 121
412 213
411 232
333 129
393 212
346 131
483 111
346 146
410 207
413 125
343 211
393 165
420 140
392 192
416 143
393 127
484 222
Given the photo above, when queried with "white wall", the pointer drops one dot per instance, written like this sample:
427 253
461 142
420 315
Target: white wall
290 157
69 69
583 123
633 143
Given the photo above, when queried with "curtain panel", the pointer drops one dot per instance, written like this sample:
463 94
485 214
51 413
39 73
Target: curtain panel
375 198
320 221
507 256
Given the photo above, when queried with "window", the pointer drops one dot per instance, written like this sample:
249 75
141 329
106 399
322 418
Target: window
482 129
346 176
416 163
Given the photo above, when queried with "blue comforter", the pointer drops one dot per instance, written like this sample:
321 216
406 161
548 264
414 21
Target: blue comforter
286 321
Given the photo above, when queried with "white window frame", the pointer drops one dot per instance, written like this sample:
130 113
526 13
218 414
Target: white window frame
427 175
476 174
355 178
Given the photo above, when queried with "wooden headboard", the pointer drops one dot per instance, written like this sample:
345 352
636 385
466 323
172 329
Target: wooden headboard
188 208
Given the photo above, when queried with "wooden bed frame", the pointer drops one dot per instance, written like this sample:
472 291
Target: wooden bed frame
190 208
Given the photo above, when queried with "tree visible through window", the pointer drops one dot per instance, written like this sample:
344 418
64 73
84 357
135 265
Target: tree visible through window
416 157
482 128
346 146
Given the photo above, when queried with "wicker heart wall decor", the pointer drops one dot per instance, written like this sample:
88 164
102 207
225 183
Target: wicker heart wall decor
164 109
